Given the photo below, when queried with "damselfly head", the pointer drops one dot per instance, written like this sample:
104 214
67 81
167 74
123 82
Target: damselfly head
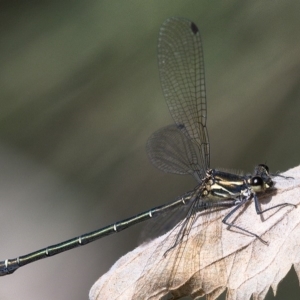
260 183
262 171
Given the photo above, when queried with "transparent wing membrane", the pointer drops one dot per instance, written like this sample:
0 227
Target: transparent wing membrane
171 151
181 67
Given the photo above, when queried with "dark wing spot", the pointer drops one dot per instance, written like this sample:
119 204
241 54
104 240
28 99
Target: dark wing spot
194 28
180 126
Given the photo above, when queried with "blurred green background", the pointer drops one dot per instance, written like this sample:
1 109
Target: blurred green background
80 95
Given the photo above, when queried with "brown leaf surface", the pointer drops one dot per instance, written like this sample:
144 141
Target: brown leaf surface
214 258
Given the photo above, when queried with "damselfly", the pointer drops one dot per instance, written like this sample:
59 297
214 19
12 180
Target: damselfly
182 148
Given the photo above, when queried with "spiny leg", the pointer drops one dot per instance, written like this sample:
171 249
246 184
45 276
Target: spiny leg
238 227
259 211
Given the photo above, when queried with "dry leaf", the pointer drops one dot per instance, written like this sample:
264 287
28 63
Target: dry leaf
214 258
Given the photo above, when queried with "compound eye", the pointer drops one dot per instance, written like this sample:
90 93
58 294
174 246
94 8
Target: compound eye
256 181
265 167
